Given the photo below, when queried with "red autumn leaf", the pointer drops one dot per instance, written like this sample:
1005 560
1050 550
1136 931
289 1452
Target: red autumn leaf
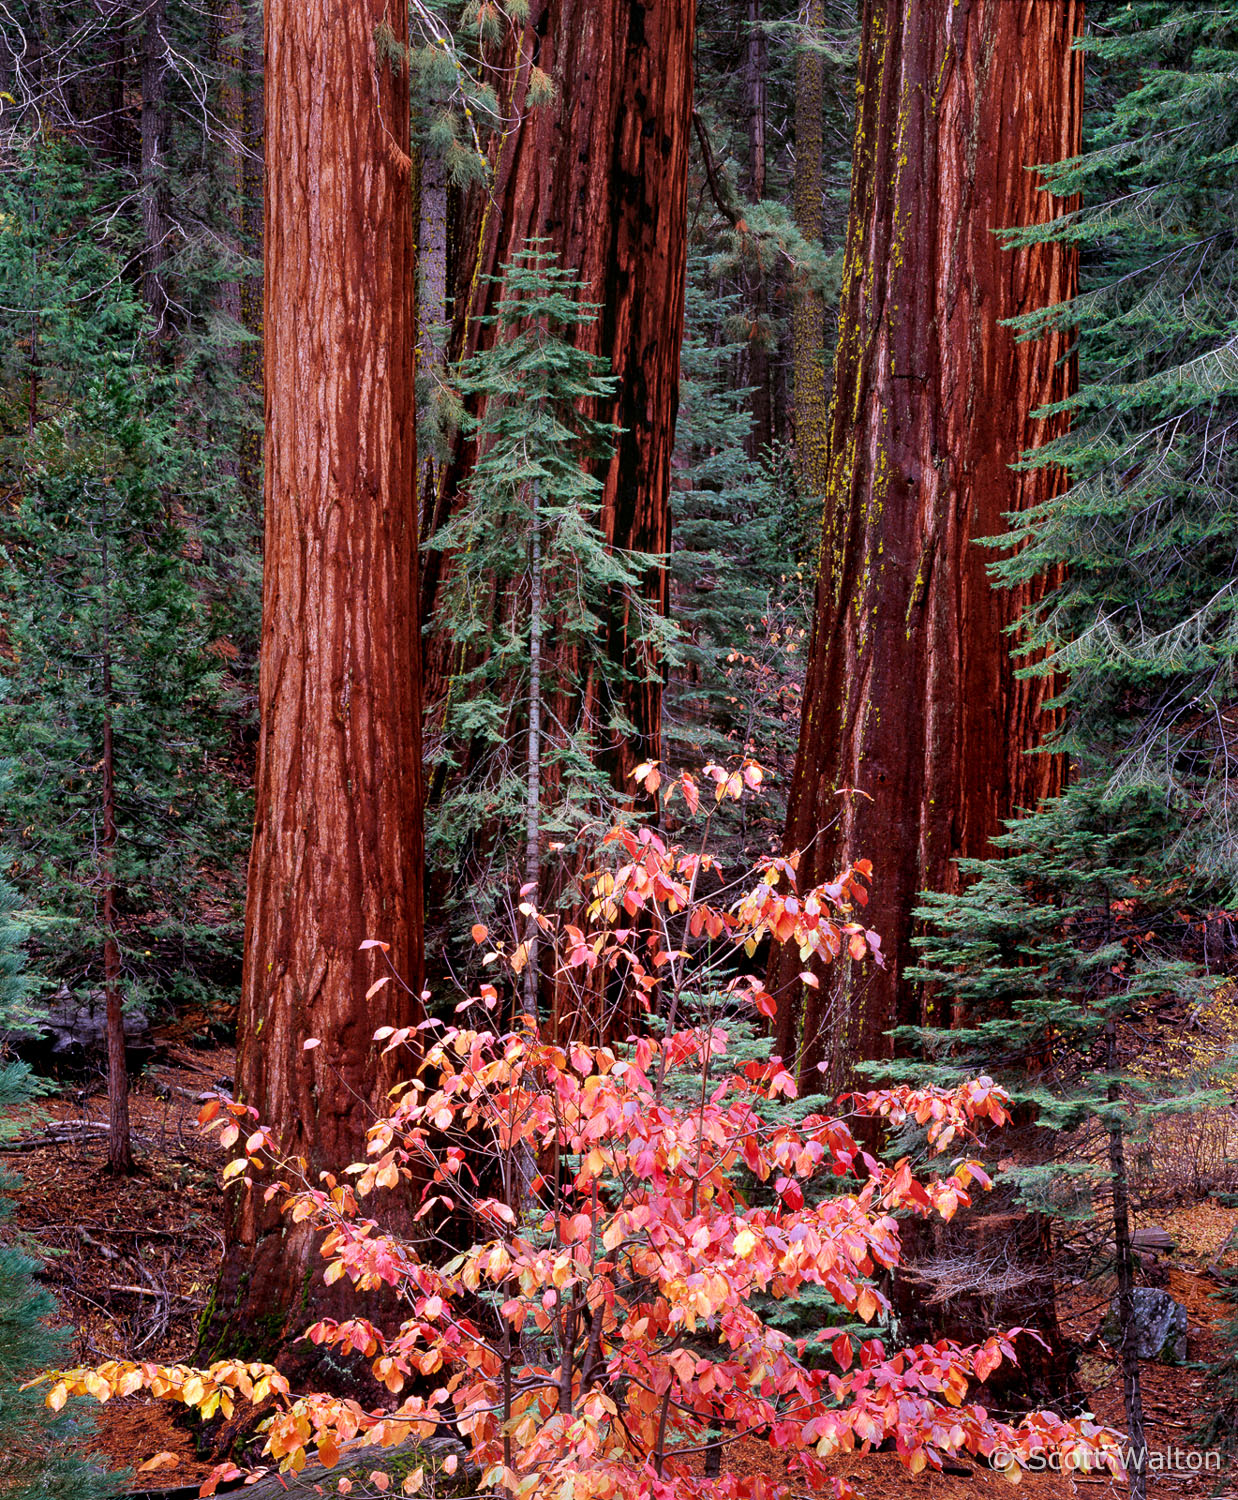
765 1003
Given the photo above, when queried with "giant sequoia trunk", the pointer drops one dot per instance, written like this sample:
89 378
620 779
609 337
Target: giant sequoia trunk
337 851
601 173
915 734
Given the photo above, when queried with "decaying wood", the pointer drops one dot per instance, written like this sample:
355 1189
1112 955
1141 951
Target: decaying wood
355 1462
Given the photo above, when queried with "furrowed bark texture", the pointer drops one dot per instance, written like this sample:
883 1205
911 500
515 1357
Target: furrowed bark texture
600 172
337 852
913 740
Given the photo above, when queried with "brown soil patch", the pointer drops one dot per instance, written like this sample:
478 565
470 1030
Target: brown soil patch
133 1431
131 1261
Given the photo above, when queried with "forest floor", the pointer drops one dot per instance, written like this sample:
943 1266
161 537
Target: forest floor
132 1262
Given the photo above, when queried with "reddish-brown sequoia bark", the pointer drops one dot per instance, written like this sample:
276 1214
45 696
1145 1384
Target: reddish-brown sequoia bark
915 731
337 852
601 173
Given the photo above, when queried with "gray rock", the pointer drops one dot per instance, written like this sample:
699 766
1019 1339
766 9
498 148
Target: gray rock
1160 1325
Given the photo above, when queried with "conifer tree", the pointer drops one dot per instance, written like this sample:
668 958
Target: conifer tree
741 557
535 693
1142 626
778 254
587 136
337 855
41 1455
110 717
1050 963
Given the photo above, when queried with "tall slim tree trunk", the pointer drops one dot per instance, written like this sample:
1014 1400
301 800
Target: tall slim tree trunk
1132 1393
754 97
915 730
756 293
230 59
601 172
112 14
252 192
119 1144
155 226
337 852
432 198
533 773
809 376
34 360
